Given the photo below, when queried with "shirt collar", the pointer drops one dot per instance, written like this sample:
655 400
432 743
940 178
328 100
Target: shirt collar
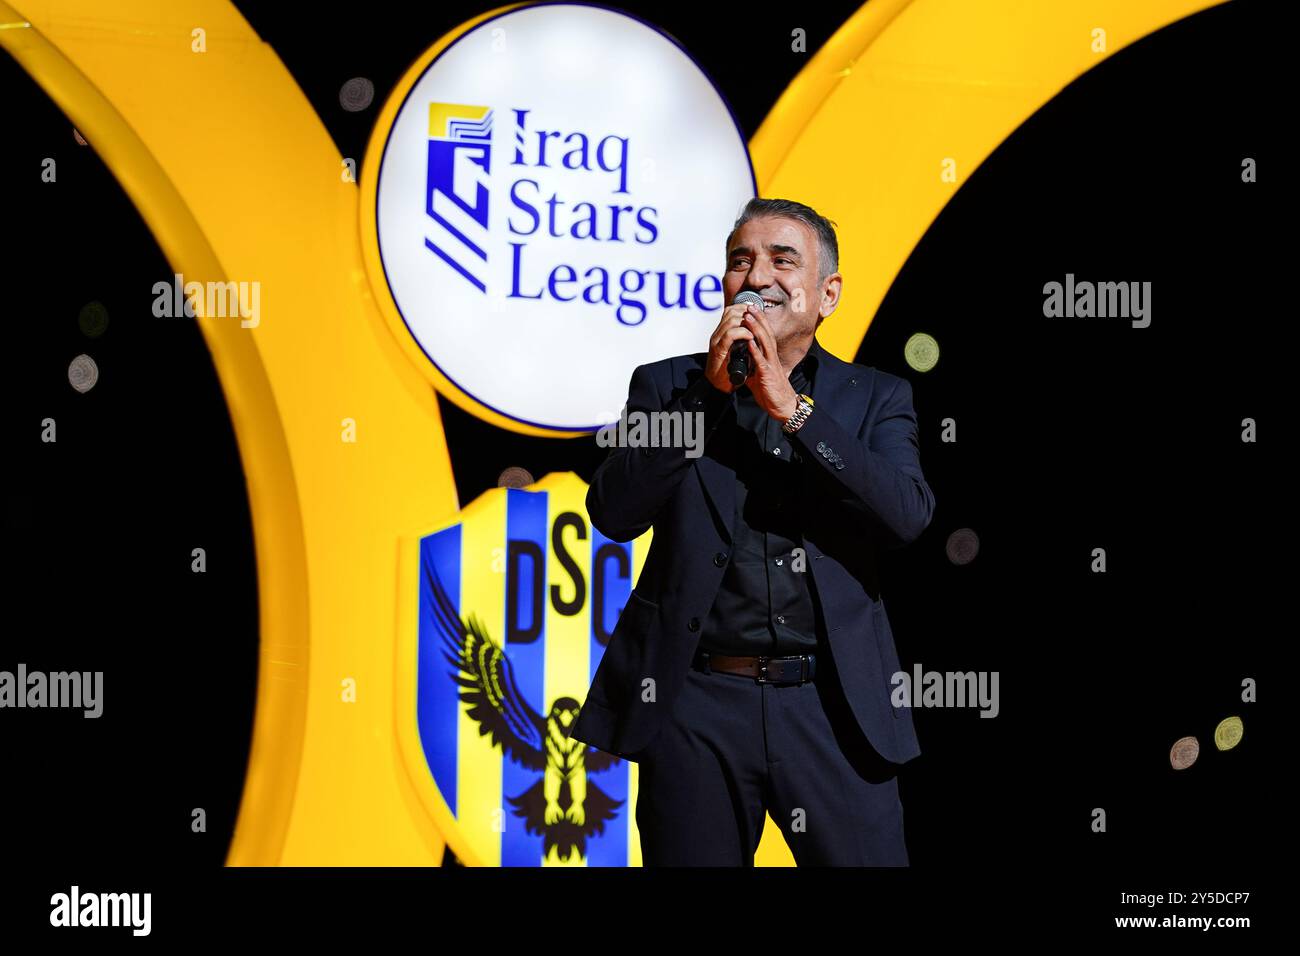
802 375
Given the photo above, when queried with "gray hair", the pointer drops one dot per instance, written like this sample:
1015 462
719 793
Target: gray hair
828 247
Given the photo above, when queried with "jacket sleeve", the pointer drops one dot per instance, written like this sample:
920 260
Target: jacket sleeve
880 477
631 486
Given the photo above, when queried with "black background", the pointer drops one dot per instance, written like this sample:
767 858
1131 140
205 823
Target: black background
1072 435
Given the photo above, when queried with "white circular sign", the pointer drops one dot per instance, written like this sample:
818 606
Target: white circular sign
552 205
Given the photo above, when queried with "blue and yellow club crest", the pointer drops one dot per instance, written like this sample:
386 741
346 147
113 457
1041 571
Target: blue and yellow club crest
507 612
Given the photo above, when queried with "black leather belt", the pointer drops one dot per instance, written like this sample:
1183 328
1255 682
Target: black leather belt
794 669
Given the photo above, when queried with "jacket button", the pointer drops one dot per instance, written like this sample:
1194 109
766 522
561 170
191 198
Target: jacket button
694 624
720 559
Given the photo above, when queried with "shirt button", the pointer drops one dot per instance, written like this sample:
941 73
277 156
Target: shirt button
780 619
779 562
776 451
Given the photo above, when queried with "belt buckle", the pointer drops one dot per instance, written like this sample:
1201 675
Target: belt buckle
762 677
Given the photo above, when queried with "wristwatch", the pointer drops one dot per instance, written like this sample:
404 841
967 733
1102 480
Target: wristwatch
801 413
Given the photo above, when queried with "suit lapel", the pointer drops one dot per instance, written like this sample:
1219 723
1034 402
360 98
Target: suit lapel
840 391
837 389
715 468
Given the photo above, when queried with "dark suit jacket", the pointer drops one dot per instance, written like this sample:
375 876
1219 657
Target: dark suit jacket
864 493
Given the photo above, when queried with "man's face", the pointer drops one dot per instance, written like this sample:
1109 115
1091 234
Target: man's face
777 258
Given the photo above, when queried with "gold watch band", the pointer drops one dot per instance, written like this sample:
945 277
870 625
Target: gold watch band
801 413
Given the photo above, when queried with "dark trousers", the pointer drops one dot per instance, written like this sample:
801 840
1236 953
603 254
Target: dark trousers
733 748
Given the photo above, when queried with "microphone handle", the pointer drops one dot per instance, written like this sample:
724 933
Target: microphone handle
738 363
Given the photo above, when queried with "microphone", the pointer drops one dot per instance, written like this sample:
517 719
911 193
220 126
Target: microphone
738 362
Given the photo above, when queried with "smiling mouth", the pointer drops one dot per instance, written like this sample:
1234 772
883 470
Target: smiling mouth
770 304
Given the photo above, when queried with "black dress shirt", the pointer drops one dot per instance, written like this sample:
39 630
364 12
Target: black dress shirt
764 606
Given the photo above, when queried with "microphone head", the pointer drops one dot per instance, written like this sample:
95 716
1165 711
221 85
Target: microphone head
745 296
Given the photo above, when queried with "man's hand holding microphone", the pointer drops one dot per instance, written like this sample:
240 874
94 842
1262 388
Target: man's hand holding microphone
743 351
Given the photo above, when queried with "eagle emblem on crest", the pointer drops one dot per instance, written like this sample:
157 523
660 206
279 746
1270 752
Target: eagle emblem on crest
564 807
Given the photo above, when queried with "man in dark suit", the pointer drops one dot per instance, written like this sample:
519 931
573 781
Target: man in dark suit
750 670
